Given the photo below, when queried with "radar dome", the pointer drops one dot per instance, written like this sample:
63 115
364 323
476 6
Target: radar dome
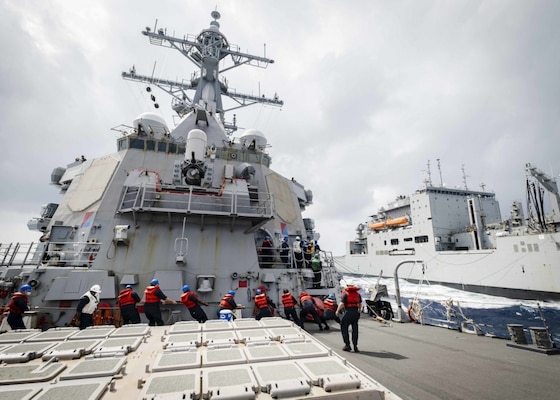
150 124
253 135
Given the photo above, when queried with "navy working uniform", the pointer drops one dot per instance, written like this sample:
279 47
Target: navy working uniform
289 302
263 304
192 302
17 306
127 300
351 301
308 307
153 296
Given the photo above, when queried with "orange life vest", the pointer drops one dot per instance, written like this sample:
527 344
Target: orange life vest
185 299
352 298
150 294
329 304
261 301
304 296
12 307
125 297
288 300
224 303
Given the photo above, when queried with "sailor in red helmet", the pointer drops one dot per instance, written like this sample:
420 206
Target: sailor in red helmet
307 304
351 302
17 306
192 302
127 300
153 296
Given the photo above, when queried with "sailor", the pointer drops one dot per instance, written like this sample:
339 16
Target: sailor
351 302
127 300
289 302
330 308
87 305
285 251
228 303
308 252
153 296
298 252
263 304
17 306
267 252
192 302
317 267
308 307
317 248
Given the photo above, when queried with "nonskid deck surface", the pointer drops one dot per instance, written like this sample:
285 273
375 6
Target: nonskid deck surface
244 359
419 362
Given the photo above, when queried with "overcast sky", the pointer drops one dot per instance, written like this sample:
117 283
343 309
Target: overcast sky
373 90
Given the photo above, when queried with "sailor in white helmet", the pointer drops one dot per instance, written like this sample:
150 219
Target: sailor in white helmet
87 306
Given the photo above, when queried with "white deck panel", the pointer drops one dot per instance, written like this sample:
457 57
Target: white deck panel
94 332
26 373
254 335
18 335
275 322
82 389
184 327
54 334
265 351
23 352
182 340
131 330
283 333
218 337
95 368
232 382
246 323
20 392
303 348
223 355
179 385
282 379
331 374
217 325
71 349
175 360
117 345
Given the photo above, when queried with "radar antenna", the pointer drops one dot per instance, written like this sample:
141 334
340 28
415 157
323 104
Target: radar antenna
206 51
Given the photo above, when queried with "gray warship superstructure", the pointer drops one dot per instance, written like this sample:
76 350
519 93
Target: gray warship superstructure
456 237
188 205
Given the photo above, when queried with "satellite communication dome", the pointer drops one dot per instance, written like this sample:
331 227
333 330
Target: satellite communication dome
251 136
150 124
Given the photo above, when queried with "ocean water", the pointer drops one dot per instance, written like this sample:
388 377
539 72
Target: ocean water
490 313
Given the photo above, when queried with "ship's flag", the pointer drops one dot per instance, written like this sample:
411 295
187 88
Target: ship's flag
284 228
88 219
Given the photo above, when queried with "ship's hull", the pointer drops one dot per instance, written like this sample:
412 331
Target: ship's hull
520 267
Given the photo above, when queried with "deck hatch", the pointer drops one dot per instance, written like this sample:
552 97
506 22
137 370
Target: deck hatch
95 368
10 375
174 360
24 352
182 385
83 389
229 382
71 349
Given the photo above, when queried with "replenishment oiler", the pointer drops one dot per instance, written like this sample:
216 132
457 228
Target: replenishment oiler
186 205
457 237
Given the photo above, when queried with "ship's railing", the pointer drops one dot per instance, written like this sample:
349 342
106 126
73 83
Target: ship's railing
63 254
224 203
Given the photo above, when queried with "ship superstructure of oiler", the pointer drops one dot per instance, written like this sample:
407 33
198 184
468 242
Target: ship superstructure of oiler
457 237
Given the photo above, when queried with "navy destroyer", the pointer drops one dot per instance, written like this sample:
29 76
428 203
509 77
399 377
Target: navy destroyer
457 237
190 206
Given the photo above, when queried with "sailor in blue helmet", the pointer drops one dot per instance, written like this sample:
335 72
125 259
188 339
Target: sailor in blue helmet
153 296
17 306
285 251
263 304
127 300
330 306
228 303
192 302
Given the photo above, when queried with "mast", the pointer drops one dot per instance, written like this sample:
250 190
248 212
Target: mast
206 50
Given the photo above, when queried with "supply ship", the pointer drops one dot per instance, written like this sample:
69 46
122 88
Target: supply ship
190 205
457 237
